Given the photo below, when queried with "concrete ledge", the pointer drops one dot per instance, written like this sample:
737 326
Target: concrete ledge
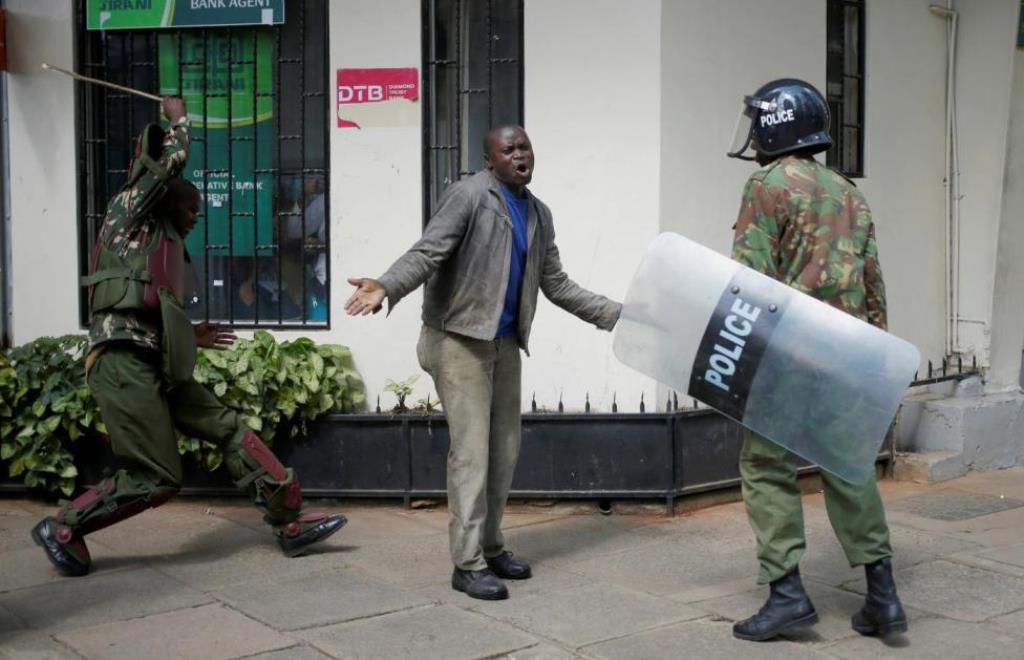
944 438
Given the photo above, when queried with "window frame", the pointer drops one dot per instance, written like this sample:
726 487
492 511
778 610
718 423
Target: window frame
837 74
93 135
430 62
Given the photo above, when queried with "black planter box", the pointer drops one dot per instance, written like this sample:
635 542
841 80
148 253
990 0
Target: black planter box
593 455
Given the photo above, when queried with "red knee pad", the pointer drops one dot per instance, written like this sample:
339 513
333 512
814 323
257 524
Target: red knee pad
265 458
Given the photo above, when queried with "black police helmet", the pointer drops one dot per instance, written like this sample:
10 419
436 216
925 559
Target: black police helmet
785 115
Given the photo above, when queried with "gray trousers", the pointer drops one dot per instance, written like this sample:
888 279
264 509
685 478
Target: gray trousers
478 382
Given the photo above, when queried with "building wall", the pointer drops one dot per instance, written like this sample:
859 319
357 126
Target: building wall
988 30
720 50
1008 313
593 113
631 107
43 183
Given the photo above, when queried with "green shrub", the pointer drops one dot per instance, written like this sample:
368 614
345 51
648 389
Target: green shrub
45 403
44 406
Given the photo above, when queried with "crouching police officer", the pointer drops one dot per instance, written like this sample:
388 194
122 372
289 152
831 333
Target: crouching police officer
142 349
809 227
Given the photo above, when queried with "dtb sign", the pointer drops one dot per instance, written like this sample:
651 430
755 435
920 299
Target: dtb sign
360 93
374 86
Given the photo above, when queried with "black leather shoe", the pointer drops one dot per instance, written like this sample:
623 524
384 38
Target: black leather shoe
504 566
479 584
296 536
787 608
882 613
66 550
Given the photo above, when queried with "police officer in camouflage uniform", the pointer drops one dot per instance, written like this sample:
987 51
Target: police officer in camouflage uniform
810 227
141 357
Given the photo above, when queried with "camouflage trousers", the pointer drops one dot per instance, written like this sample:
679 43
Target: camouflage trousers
141 417
775 512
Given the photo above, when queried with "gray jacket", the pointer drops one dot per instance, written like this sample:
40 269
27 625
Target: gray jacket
466 250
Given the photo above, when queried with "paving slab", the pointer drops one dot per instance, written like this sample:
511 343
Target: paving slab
408 562
705 639
158 534
585 615
654 568
1008 483
317 600
929 639
1012 555
258 561
577 538
101 598
719 590
826 561
15 524
210 632
966 593
1010 624
28 566
9 622
954 505
299 652
34 645
543 652
442 632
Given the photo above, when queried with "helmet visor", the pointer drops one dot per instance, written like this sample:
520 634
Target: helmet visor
744 131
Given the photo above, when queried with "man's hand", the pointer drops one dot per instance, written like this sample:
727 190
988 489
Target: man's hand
210 335
174 108
369 296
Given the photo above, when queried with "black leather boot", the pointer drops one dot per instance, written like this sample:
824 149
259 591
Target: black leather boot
882 613
787 607
484 585
65 549
308 529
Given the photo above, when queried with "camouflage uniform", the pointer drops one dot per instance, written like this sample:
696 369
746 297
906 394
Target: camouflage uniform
141 408
808 226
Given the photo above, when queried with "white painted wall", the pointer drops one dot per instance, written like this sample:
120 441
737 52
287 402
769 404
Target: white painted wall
376 195
43 184
593 114
1007 311
988 30
715 51
630 107
904 160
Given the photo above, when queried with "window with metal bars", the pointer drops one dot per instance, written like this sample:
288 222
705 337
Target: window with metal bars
845 84
473 81
257 104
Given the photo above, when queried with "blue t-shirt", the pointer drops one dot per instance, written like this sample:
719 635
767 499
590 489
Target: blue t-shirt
509 322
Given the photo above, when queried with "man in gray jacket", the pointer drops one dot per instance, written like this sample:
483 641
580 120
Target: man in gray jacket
483 256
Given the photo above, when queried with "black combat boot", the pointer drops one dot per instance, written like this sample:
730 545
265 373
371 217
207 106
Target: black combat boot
882 613
787 607
484 585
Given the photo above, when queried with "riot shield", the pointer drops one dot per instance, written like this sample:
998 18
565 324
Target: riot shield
803 374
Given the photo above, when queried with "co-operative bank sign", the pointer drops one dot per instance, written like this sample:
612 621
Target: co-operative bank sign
138 14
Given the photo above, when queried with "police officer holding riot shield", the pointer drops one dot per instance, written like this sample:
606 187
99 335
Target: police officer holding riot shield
142 349
809 227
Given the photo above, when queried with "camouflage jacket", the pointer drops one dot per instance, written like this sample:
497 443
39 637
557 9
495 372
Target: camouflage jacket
808 226
128 227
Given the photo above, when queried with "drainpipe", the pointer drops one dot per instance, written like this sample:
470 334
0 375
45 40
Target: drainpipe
952 184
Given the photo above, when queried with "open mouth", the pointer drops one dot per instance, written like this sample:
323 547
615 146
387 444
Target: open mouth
522 168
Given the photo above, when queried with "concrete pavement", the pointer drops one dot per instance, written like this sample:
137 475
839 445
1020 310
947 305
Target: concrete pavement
204 579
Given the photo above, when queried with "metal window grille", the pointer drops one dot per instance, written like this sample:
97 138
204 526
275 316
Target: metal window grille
845 85
473 81
260 247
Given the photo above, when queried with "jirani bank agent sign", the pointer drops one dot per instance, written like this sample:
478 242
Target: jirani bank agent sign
369 98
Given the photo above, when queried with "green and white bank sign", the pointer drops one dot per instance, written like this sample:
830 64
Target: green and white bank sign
146 14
